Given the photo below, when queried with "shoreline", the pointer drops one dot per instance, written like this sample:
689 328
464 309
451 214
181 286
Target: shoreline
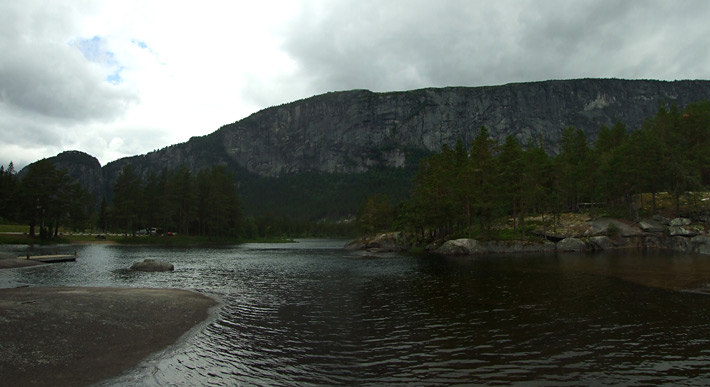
70 336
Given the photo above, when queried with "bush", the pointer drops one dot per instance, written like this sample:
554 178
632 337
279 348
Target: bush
612 230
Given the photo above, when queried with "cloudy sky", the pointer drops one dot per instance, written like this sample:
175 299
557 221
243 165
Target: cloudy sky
120 78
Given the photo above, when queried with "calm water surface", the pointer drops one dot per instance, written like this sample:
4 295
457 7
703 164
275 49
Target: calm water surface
313 313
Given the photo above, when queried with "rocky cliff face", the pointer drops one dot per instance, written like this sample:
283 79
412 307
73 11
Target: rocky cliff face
81 167
354 131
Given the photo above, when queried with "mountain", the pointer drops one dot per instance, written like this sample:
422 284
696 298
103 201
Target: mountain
339 146
81 167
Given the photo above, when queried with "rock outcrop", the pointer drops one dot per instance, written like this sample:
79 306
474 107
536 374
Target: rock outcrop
594 235
473 247
383 242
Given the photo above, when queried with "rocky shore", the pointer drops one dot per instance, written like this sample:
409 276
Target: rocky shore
678 234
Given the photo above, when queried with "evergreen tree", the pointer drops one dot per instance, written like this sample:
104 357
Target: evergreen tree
8 186
510 179
376 215
483 173
127 198
571 166
47 196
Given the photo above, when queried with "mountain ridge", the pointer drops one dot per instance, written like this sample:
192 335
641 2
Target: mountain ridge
356 131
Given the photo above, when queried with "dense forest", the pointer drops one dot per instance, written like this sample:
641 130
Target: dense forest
45 199
203 204
464 189
176 201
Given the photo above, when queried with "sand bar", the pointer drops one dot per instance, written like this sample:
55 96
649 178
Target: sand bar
74 336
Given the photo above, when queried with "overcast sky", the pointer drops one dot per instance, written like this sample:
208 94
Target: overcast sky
121 78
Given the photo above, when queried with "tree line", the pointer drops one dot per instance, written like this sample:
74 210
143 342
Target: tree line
463 189
45 199
178 201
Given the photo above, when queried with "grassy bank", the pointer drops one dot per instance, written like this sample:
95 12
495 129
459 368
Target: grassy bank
16 235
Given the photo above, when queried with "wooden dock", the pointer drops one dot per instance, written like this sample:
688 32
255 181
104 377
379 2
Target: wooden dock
53 258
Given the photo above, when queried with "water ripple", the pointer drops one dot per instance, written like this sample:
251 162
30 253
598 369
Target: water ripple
309 314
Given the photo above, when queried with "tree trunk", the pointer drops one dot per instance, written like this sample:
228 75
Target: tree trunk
653 202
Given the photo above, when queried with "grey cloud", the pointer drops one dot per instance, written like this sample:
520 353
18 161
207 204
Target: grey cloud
41 75
47 87
399 45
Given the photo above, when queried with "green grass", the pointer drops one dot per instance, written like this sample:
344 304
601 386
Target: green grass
14 228
15 239
181 240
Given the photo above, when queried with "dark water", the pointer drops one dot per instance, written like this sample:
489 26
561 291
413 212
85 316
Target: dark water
313 313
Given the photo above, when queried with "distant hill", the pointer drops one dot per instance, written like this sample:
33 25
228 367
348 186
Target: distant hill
321 156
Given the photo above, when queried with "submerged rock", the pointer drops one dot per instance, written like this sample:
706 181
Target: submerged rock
152 265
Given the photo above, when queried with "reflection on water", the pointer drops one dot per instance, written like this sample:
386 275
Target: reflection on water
313 313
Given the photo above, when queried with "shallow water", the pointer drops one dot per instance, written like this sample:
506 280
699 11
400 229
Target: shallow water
314 313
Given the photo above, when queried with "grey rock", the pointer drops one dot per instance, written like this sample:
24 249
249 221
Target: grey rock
471 247
601 227
681 231
462 246
654 242
572 244
152 265
661 219
391 241
701 244
601 242
679 243
649 225
679 222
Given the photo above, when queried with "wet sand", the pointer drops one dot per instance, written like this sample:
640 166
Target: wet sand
74 336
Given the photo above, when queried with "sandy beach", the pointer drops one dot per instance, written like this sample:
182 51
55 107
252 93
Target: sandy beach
74 336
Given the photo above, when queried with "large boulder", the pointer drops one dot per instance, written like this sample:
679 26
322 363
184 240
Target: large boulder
679 243
390 241
661 219
701 244
650 225
571 244
679 222
601 242
466 246
152 265
462 246
681 231
604 225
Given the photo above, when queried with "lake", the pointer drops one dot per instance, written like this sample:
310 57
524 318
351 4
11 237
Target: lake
314 313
